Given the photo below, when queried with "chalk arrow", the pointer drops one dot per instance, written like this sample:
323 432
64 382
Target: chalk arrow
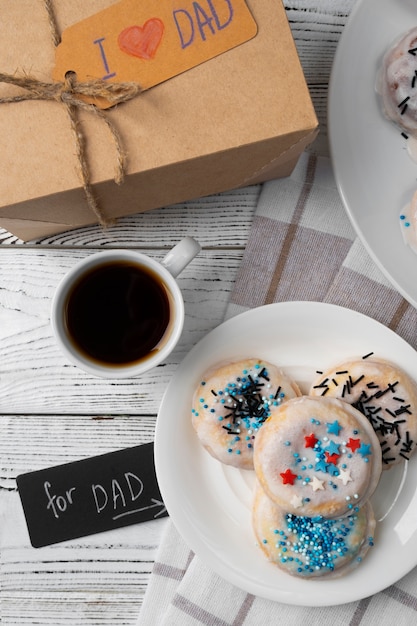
156 503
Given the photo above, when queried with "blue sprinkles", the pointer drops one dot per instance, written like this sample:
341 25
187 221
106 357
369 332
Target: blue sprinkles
314 544
403 218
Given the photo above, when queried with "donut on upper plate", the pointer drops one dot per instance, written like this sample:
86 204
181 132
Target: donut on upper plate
397 82
384 393
312 547
317 457
231 403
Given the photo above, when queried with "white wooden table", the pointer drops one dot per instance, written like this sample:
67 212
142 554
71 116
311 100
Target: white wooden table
52 413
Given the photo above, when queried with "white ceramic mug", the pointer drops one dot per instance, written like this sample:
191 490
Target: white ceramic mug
161 279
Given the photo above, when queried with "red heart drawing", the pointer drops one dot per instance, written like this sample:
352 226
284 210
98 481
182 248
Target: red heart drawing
142 41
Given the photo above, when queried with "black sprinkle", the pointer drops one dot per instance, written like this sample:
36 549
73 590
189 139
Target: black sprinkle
367 355
323 385
413 51
391 386
264 374
381 393
404 135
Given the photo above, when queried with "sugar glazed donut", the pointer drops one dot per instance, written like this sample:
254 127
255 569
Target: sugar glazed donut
312 547
385 394
317 457
232 402
397 82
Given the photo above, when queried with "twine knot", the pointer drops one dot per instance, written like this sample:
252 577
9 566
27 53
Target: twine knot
70 92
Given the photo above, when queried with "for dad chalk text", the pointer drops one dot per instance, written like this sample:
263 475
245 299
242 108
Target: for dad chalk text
117 497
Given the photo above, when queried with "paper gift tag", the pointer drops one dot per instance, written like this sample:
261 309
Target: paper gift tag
90 496
149 42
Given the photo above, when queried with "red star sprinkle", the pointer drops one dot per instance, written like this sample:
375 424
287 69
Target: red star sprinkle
288 477
311 440
331 458
353 444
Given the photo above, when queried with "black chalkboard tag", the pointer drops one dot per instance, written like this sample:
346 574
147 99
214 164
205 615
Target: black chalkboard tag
90 496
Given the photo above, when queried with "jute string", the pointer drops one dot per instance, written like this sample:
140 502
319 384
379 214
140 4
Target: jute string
68 93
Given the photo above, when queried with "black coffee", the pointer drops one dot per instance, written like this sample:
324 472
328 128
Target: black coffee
118 313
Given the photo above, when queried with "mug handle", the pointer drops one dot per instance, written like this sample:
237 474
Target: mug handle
181 255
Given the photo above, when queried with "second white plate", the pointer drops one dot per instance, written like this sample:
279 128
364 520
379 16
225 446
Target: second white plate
375 175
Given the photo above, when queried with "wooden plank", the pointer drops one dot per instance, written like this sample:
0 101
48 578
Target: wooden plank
33 442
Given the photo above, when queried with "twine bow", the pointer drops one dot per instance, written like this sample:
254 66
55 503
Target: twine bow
70 93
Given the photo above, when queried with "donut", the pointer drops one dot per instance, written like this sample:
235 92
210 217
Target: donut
397 82
231 403
317 457
382 392
312 547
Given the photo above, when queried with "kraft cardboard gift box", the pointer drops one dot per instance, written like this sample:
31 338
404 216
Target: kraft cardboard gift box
240 118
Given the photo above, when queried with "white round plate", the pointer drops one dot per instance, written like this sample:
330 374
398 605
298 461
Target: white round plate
210 503
375 175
